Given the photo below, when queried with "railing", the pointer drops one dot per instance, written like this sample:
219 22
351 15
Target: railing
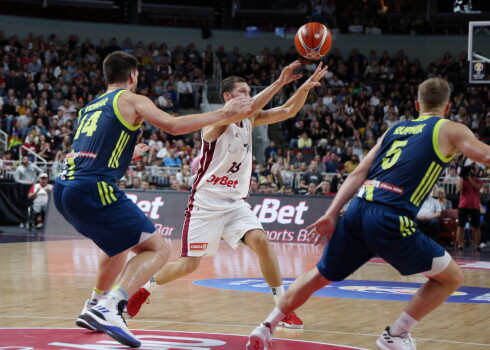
32 153
4 141
217 72
160 175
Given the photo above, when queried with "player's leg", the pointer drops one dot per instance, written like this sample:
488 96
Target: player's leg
410 251
242 226
107 273
462 217
200 236
343 255
475 227
168 273
257 240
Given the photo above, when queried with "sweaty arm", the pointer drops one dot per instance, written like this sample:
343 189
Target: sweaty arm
136 108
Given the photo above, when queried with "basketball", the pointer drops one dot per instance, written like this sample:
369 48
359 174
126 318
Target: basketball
313 40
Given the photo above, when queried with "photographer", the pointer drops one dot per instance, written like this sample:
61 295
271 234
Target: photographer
469 205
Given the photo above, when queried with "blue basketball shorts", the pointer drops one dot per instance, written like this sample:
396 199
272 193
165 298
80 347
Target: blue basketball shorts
109 218
368 229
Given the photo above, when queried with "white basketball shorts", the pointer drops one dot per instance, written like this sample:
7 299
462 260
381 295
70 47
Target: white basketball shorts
203 229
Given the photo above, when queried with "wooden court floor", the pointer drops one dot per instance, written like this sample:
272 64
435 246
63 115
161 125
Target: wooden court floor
44 284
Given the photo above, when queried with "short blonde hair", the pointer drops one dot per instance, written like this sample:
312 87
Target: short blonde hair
433 93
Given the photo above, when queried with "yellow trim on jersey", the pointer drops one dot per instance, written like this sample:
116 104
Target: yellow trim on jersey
435 142
426 184
119 116
120 145
421 118
369 192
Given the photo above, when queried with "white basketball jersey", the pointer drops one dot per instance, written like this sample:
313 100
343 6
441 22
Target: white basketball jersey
225 169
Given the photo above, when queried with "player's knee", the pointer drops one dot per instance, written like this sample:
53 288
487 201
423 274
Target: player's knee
257 240
190 265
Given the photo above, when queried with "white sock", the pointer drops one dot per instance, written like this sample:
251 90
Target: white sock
118 293
404 324
151 285
98 294
275 317
277 293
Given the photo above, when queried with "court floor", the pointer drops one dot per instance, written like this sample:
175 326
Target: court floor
44 281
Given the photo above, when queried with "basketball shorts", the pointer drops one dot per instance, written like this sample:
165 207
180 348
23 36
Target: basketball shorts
368 229
203 229
114 227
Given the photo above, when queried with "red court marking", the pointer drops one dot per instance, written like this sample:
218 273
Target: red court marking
464 264
67 339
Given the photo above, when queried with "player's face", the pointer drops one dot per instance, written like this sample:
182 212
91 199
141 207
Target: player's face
240 89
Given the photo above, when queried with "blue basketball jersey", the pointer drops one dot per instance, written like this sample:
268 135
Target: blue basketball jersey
103 145
407 165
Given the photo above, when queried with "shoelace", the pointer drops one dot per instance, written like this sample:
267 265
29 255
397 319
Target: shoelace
120 309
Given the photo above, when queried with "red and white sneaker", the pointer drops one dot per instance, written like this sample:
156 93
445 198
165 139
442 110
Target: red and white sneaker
292 321
136 300
260 338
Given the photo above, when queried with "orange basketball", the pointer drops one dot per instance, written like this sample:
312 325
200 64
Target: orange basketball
313 40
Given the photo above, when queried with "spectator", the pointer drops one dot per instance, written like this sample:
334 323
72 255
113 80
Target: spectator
38 194
171 160
311 190
469 205
325 187
186 94
428 217
136 181
443 201
26 172
312 176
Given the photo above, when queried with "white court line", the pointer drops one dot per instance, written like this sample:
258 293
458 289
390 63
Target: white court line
247 326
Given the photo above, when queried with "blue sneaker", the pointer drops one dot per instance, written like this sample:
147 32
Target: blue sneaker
107 317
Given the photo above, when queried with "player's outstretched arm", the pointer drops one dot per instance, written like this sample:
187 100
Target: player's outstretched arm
233 111
295 102
287 76
325 225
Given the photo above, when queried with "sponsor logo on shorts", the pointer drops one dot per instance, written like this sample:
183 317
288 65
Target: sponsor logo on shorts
352 289
71 339
198 246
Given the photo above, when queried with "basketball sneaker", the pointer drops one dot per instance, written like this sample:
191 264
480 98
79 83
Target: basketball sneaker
402 342
292 321
107 317
260 338
80 322
136 300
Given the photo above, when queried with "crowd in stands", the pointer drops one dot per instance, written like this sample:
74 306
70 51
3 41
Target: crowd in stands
45 81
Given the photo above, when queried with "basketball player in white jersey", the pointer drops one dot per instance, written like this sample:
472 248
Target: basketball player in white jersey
217 206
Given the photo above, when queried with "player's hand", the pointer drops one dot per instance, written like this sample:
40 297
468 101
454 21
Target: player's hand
238 108
321 230
313 80
139 149
287 74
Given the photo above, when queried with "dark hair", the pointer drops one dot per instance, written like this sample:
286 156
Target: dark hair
228 84
118 66
466 171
